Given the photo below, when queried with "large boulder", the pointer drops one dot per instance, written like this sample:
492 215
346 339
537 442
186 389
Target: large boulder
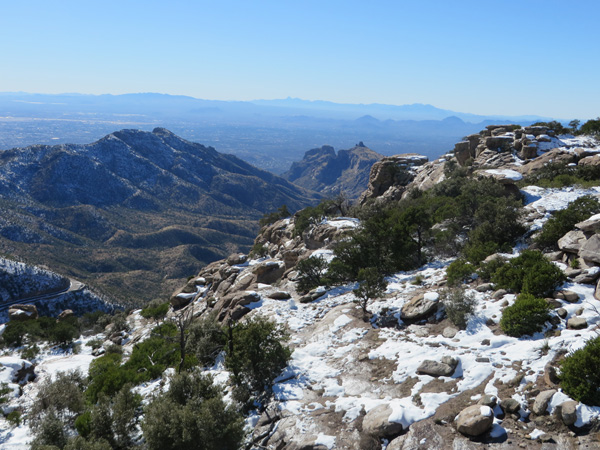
438 369
577 323
590 249
556 156
392 171
67 313
420 306
567 411
499 143
591 225
269 271
22 312
377 423
572 241
540 405
462 152
475 420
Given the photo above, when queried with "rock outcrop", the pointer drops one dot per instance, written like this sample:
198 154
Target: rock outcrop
324 171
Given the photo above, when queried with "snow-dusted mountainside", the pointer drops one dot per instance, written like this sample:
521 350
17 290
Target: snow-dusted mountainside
403 377
134 213
18 281
50 292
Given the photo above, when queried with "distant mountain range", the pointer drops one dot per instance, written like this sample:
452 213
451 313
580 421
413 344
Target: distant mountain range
135 212
270 134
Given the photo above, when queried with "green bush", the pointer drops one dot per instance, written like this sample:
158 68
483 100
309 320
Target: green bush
207 339
579 374
554 125
258 251
592 127
459 271
313 215
155 310
459 306
311 272
62 395
274 216
256 355
529 273
526 316
487 270
564 220
371 285
192 415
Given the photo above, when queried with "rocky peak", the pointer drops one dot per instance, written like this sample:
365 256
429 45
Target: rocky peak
324 171
389 177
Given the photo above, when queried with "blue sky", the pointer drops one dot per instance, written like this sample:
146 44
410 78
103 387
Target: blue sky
511 57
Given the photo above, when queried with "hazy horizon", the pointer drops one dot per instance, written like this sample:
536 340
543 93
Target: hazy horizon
518 58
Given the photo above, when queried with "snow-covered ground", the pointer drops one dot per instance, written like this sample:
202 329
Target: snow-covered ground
331 343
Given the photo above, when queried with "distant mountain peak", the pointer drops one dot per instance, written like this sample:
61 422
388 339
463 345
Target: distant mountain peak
324 171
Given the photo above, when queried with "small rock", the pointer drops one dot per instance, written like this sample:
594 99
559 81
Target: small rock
488 400
540 405
577 323
550 375
482 359
236 258
568 412
510 405
561 312
376 422
485 342
499 294
475 420
435 369
420 307
579 311
449 332
280 295
484 287
553 303
570 296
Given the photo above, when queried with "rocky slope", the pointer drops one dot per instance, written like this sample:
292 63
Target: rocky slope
133 209
407 378
324 171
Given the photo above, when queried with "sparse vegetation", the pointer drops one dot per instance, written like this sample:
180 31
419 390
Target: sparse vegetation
269 218
371 286
155 310
459 306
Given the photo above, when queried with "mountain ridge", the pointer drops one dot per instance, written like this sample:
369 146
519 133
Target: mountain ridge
129 198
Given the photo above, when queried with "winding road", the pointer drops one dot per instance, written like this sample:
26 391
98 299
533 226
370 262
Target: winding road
74 285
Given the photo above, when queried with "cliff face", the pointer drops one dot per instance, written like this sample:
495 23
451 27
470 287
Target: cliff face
324 171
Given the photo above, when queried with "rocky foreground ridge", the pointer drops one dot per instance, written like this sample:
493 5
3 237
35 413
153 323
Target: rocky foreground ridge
408 378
